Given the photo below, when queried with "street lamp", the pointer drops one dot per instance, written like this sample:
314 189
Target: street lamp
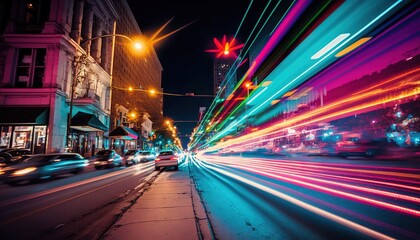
79 61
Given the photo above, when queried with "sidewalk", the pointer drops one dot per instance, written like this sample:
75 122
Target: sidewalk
169 209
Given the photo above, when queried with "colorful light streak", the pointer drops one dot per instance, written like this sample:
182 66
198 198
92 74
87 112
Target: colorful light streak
270 96
314 183
286 21
304 205
357 102
330 45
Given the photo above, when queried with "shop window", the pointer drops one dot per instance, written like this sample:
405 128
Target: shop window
40 139
30 68
5 136
22 137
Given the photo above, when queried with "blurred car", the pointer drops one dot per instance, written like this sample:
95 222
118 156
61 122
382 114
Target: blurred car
146 156
349 149
12 155
106 159
383 149
131 157
166 158
43 166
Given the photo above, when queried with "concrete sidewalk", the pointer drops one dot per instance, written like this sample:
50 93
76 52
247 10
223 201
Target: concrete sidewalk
169 209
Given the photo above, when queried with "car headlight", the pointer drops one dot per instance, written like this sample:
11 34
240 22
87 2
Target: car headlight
24 171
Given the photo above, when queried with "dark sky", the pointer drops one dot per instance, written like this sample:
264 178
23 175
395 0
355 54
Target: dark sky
187 68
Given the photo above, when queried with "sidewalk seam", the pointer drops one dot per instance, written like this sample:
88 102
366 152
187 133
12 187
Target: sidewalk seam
148 181
197 219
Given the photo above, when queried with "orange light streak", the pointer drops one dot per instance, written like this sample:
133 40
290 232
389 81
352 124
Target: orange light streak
340 108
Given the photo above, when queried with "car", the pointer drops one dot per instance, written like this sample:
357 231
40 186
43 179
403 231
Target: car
131 157
146 156
166 158
12 156
107 159
43 166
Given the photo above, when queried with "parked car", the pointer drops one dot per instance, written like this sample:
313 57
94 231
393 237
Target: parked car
146 156
106 159
131 157
42 166
166 158
12 155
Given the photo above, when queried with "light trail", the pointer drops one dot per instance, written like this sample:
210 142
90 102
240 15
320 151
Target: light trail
339 108
328 215
73 185
281 172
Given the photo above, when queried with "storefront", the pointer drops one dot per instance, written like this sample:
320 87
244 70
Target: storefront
123 138
24 127
86 134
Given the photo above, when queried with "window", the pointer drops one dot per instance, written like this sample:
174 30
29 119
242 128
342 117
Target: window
30 67
37 11
22 137
5 135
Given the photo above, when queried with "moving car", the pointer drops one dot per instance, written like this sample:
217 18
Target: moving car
131 157
12 155
42 166
106 159
166 158
146 156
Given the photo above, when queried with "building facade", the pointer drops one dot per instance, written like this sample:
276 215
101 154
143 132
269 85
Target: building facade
139 70
221 71
55 62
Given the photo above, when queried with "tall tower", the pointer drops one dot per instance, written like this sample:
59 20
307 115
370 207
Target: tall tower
221 67
224 65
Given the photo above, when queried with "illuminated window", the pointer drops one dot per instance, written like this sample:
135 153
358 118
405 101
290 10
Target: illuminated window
36 13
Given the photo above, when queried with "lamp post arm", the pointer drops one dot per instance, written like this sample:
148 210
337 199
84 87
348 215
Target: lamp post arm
109 35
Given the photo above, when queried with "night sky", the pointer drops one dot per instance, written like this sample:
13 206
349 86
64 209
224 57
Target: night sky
187 68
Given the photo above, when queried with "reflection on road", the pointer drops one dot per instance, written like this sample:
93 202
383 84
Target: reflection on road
381 202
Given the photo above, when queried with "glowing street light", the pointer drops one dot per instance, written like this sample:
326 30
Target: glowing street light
138 45
78 61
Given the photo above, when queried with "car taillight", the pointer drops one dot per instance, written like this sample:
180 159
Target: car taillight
157 159
174 158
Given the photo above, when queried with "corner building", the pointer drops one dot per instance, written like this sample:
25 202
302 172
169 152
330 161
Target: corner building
47 56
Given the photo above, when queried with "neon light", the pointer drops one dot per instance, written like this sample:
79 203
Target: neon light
304 205
353 46
249 102
330 45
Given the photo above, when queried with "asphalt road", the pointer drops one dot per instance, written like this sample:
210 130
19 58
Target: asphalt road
71 206
309 197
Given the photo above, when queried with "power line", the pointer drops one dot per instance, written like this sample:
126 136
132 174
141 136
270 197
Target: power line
162 93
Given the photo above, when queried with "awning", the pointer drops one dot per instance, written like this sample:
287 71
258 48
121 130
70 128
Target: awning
24 115
87 123
124 133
